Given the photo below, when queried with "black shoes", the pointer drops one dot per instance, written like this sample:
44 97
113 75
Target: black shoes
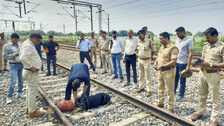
48 74
115 77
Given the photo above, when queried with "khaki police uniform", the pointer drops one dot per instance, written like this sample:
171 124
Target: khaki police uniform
104 44
166 76
144 63
95 42
209 79
2 61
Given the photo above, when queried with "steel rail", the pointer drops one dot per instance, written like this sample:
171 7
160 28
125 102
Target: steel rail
156 111
54 107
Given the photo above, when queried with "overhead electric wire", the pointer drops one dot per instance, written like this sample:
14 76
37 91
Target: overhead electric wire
170 9
121 4
108 2
202 10
142 7
10 10
162 7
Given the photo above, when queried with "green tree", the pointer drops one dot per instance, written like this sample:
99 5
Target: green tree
78 33
151 33
40 32
198 46
221 39
122 33
51 32
199 34
59 34
70 34
171 34
188 33
22 33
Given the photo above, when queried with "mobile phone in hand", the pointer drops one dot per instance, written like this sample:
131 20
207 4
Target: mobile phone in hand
199 61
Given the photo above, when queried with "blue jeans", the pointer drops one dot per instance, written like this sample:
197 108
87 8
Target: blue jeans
116 61
53 59
15 72
130 60
179 68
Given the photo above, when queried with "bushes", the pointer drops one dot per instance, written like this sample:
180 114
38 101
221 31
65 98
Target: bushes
221 39
198 46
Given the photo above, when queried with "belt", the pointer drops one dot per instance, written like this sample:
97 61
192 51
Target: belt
209 71
84 51
115 53
146 58
14 63
130 54
26 69
166 68
104 50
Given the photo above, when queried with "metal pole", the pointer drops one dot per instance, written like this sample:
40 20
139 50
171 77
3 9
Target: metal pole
41 26
64 28
34 26
91 12
30 23
6 24
75 16
108 25
13 26
100 17
24 5
20 15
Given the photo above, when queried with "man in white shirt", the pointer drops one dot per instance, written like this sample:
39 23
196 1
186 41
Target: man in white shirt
130 57
116 50
32 64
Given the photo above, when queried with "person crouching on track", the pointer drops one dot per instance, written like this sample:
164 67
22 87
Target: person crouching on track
79 73
94 101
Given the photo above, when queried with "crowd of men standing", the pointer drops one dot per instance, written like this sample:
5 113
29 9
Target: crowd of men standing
138 52
172 61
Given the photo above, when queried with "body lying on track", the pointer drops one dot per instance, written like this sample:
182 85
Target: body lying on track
94 101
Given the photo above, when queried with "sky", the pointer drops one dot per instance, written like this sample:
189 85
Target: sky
157 15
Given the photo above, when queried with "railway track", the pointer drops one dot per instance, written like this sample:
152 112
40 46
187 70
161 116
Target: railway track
52 90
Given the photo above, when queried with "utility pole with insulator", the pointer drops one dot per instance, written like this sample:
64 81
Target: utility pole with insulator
108 19
13 26
100 17
75 16
19 2
91 17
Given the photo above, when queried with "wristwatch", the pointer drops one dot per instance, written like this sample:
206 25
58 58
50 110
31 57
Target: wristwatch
211 64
